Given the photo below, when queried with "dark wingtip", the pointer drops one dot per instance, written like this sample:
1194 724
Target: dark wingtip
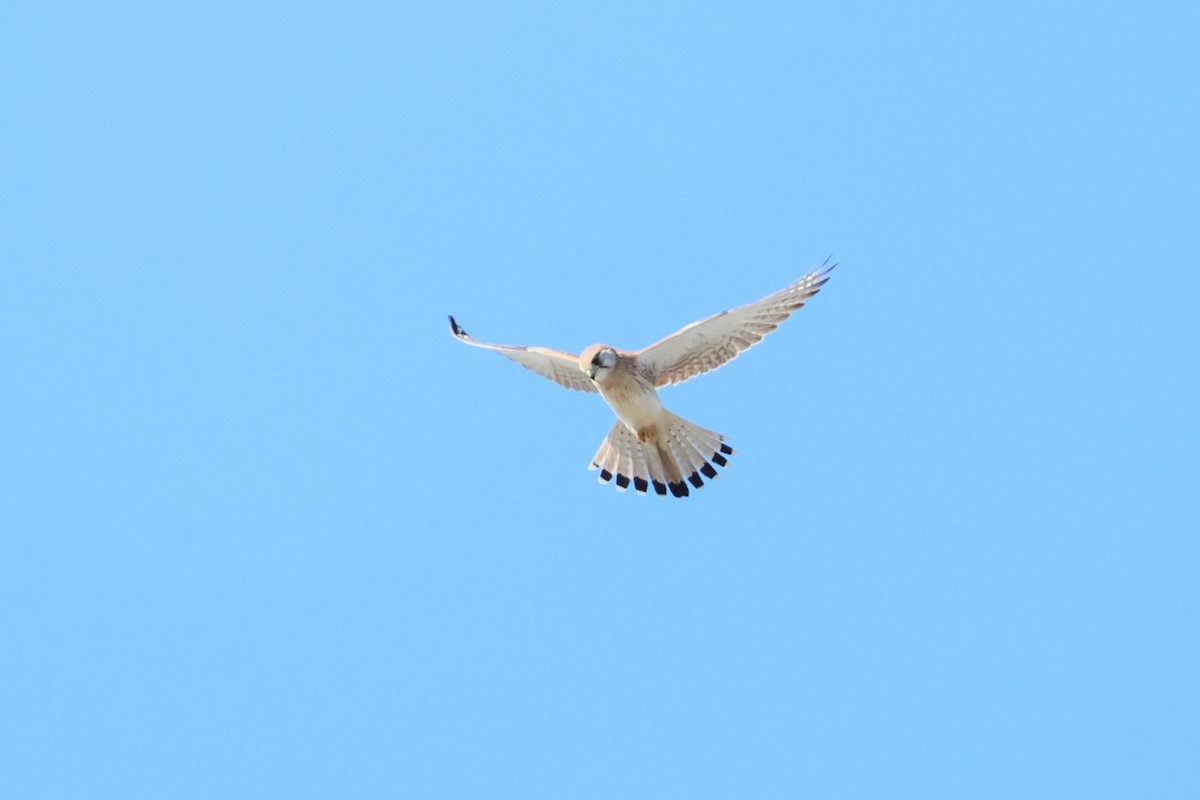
726 449
719 459
822 273
455 328
708 470
623 481
605 475
659 488
640 485
695 480
679 489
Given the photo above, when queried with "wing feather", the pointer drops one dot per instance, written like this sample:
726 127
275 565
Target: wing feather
709 343
562 368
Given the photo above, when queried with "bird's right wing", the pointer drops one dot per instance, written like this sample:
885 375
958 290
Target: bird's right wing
562 368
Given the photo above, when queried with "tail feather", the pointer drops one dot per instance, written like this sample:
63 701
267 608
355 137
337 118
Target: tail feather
690 458
671 476
624 466
680 455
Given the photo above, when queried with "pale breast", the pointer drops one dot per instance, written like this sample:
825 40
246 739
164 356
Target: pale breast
633 398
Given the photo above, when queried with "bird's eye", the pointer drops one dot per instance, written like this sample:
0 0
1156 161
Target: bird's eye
596 360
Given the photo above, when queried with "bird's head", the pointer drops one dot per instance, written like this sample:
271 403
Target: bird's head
597 361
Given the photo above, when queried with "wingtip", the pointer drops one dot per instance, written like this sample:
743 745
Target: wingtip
455 328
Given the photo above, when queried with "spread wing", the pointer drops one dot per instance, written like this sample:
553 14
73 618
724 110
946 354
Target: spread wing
562 368
706 345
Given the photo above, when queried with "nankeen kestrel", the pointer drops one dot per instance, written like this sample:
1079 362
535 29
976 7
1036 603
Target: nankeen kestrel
648 445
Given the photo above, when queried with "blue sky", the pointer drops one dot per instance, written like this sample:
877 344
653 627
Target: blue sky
269 531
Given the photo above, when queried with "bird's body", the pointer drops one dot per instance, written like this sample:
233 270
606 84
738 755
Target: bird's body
648 445
627 387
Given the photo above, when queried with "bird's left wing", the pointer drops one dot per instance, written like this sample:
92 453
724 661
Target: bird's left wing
562 368
709 343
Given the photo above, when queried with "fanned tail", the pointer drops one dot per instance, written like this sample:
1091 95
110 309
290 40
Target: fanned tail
681 454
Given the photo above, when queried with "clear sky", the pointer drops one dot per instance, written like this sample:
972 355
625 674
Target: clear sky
269 531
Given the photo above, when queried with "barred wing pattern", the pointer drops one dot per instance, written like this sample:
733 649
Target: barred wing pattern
706 345
562 368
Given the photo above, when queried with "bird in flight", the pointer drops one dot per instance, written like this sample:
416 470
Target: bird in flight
649 446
